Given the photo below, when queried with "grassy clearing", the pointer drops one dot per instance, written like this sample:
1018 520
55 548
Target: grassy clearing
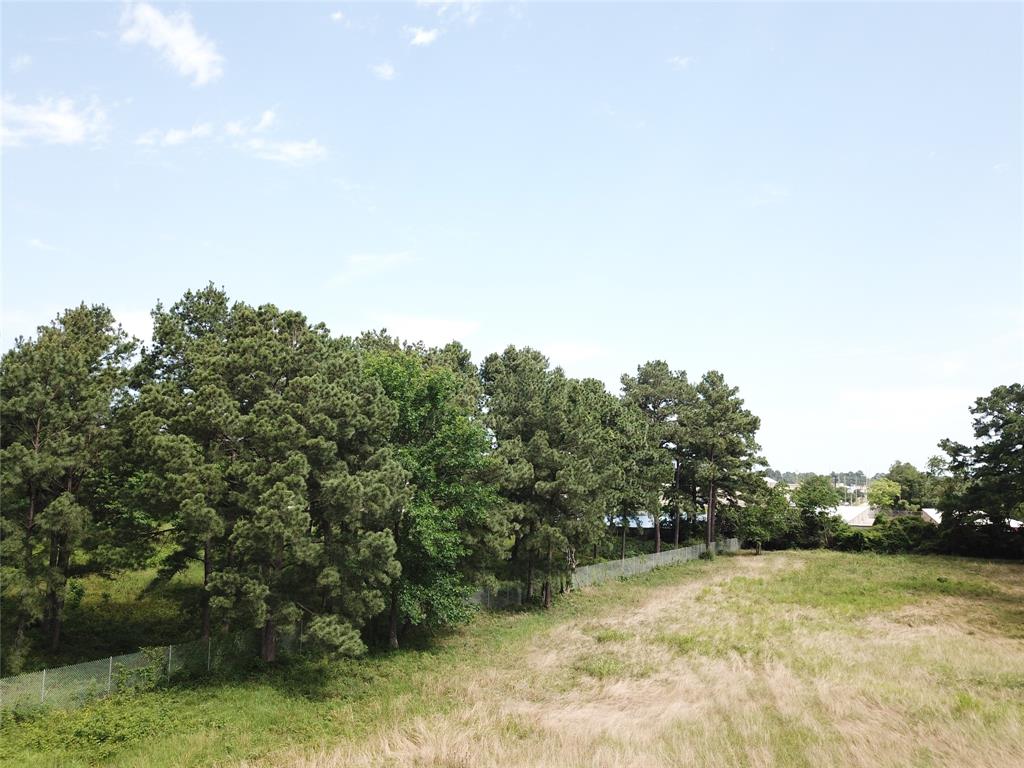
790 659
121 615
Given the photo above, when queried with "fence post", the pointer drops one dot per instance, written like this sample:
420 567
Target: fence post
42 695
110 672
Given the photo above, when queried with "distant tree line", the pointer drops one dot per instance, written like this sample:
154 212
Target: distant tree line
839 478
367 486
978 491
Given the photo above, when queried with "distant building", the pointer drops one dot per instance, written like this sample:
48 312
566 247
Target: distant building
931 515
856 515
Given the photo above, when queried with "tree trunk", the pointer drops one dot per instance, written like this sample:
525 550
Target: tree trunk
268 646
679 489
710 535
547 581
57 593
757 547
51 594
625 525
529 575
393 620
207 570
657 534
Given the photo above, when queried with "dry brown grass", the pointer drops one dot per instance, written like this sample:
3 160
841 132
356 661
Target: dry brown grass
728 670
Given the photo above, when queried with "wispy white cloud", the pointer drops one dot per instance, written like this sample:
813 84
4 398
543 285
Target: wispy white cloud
384 71
175 38
242 127
175 136
287 152
771 194
21 63
266 120
247 136
51 121
430 329
680 63
40 245
421 36
571 352
467 11
365 264
135 322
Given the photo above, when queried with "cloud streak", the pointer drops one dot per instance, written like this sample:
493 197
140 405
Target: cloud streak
51 121
384 71
242 135
432 331
365 264
679 63
175 136
420 36
287 152
175 38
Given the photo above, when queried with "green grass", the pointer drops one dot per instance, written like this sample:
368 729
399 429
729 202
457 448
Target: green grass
725 631
303 702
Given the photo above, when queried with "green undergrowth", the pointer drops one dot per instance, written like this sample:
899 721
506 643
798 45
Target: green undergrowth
302 701
827 598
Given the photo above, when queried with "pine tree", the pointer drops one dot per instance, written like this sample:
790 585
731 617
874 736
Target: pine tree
268 443
58 392
553 450
721 438
663 396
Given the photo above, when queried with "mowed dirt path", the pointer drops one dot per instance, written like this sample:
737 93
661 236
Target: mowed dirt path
695 673
594 691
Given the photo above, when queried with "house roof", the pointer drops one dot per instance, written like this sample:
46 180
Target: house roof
857 515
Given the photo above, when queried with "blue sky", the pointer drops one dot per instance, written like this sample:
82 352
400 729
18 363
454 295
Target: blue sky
824 201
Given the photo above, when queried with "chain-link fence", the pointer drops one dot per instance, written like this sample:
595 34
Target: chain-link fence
511 594
76 684
496 598
598 573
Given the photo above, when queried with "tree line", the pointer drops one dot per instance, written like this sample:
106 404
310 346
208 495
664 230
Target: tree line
365 486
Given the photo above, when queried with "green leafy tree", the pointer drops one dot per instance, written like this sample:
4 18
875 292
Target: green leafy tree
815 499
768 516
915 486
884 494
984 490
59 390
454 531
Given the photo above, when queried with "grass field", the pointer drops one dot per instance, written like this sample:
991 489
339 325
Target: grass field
788 659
